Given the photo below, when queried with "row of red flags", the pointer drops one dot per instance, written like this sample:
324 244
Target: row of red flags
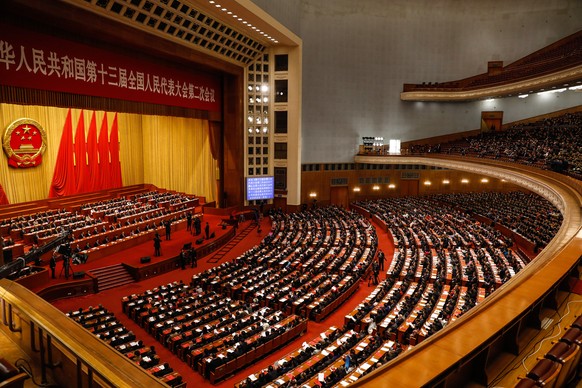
84 166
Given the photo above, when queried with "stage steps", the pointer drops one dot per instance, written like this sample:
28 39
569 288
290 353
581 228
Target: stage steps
111 276
232 243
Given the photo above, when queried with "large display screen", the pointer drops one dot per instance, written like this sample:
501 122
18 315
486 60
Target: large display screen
259 188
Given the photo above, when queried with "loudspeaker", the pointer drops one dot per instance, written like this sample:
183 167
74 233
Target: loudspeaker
212 235
79 275
199 241
145 259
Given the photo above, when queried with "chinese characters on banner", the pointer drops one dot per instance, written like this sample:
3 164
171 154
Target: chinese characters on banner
32 60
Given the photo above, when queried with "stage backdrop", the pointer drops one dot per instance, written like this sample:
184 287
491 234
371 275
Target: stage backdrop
169 152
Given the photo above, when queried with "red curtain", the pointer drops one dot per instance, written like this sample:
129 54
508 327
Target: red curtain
64 174
116 180
3 197
92 156
81 168
103 149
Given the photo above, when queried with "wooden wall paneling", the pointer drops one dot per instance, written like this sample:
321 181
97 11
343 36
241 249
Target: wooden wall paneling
339 196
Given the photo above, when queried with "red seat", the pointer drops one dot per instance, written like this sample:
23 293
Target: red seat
578 322
545 372
569 356
573 336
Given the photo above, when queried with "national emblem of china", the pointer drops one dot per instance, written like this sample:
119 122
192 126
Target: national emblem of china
24 142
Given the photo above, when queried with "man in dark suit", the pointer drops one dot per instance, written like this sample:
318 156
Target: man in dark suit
157 245
53 265
66 265
189 221
381 259
168 226
197 225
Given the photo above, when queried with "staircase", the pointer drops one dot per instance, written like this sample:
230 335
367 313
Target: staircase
111 276
232 243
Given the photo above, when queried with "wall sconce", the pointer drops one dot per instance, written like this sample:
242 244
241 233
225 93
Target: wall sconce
427 183
391 186
376 188
446 181
484 180
312 195
356 189
464 181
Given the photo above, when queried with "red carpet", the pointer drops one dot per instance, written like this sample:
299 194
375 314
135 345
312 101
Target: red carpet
111 299
169 248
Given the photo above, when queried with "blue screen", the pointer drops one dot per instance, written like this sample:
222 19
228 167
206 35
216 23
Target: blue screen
260 188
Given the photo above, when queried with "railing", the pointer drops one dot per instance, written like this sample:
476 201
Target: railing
66 353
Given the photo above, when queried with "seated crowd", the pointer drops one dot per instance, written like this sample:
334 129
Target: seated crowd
214 334
93 226
444 263
526 214
106 327
553 143
308 264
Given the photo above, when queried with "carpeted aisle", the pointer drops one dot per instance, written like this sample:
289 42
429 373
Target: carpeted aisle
111 299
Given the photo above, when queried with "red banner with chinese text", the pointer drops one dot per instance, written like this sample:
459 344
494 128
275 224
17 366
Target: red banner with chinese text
36 61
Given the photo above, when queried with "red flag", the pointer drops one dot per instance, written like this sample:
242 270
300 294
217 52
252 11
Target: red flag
81 168
92 156
116 180
103 148
64 174
3 198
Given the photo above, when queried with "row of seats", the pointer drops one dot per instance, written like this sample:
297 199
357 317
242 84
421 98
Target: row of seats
213 334
307 265
106 327
527 214
560 364
445 262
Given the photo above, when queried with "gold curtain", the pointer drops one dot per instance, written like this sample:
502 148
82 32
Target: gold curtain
169 152
177 155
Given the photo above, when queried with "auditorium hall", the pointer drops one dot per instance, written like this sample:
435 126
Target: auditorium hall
290 193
